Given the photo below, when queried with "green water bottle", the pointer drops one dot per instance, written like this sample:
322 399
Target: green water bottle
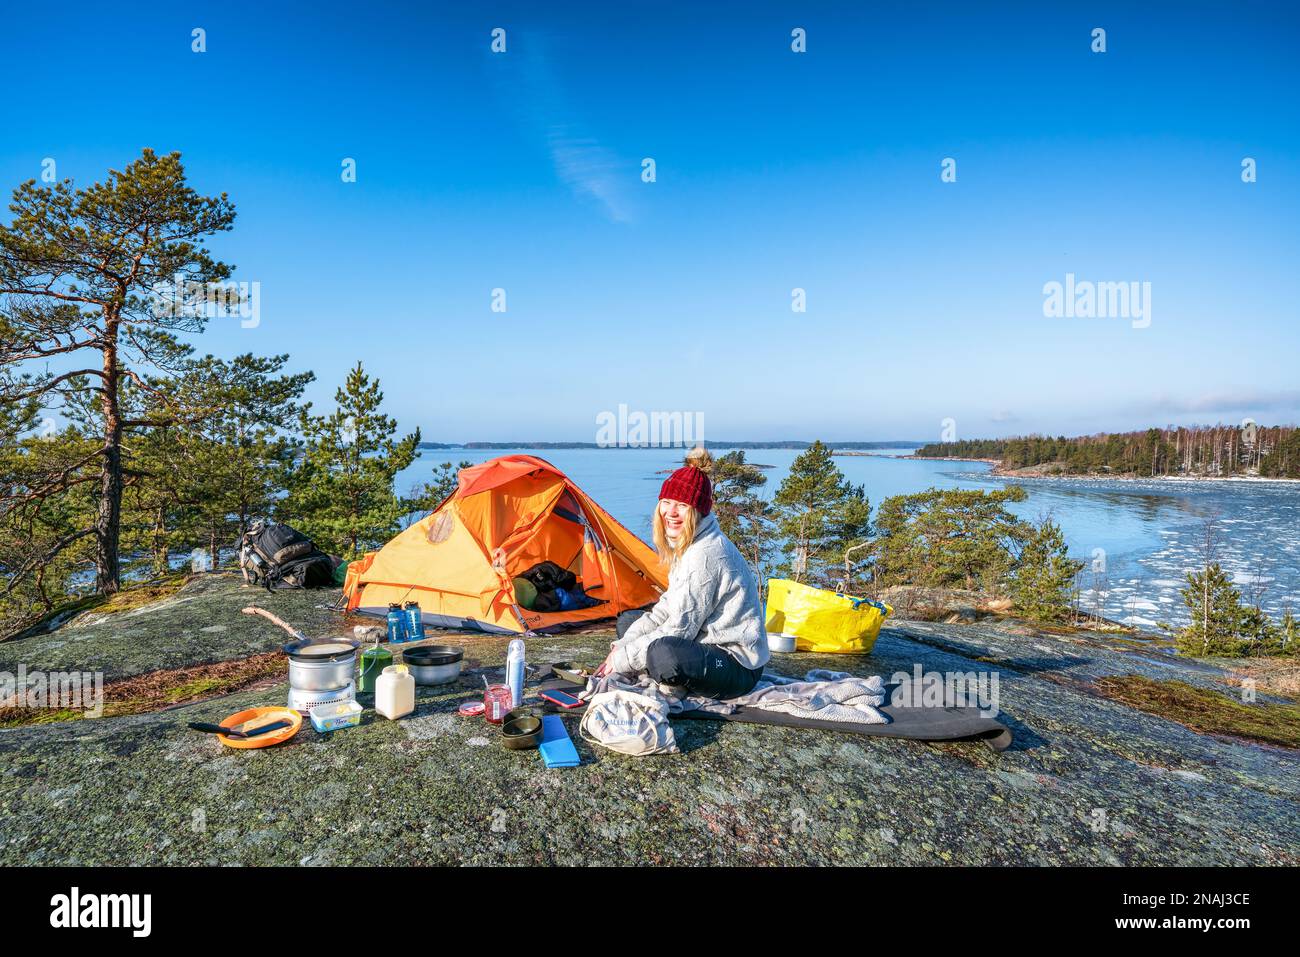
373 662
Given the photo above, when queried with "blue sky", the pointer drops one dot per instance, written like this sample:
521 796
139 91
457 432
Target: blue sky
775 170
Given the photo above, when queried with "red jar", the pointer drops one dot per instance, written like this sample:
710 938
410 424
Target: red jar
497 702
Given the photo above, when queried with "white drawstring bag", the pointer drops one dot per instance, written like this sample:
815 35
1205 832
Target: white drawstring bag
629 723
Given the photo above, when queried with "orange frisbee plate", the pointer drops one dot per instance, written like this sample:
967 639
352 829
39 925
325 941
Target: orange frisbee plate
256 717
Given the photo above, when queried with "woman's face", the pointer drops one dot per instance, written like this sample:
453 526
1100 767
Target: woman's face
673 514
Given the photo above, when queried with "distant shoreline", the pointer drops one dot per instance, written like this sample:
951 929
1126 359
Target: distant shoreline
1037 473
950 458
870 455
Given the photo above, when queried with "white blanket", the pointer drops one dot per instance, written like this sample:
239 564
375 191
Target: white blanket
820 694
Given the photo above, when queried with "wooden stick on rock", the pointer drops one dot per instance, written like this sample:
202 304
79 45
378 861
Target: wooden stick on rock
274 619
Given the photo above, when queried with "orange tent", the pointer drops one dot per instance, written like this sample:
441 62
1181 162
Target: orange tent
505 516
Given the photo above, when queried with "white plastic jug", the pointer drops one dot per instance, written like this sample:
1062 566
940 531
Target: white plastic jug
395 692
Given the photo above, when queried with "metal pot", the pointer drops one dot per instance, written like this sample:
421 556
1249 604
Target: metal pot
434 664
519 734
321 664
522 728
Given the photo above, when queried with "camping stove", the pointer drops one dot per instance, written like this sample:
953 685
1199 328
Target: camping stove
304 701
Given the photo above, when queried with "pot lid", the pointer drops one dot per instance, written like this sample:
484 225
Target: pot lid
322 649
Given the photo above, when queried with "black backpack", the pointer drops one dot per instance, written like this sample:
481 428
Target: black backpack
548 576
279 556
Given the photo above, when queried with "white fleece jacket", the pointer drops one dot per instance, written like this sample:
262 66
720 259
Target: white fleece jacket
712 597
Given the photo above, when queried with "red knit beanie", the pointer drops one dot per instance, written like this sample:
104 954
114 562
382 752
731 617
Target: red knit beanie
690 484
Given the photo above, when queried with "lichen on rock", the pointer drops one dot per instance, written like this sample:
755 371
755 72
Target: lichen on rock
1089 780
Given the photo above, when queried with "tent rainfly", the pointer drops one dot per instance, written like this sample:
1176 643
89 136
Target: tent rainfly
507 515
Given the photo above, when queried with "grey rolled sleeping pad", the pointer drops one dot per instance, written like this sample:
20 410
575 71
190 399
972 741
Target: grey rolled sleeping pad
915 723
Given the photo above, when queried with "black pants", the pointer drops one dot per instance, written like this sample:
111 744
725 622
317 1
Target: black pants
703 670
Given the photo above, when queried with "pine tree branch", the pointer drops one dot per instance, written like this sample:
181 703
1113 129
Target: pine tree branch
39 561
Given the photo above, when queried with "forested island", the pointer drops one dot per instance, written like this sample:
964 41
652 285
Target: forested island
1210 451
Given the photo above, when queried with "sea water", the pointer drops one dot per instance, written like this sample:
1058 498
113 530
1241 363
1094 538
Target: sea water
1139 537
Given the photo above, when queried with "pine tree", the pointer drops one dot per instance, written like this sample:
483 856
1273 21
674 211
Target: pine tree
46 513
1260 637
820 516
425 498
1043 583
1289 633
341 495
743 515
80 272
1216 615
1284 459
949 538
223 461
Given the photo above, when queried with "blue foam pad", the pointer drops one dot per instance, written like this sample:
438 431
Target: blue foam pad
556 747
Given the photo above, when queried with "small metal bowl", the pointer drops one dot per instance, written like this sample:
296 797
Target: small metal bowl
434 664
780 643
520 732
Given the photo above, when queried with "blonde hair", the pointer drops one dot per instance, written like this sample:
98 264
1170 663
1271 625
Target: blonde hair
670 552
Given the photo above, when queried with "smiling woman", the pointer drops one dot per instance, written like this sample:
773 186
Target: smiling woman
705 635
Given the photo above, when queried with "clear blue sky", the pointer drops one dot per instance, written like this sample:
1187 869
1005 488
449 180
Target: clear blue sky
775 170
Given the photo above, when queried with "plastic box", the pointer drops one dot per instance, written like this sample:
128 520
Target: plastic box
336 714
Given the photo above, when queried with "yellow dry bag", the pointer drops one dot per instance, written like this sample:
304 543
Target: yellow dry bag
824 621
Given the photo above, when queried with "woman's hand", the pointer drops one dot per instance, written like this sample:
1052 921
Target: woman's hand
606 666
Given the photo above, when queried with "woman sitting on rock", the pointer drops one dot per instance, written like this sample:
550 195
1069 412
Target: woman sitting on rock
705 635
